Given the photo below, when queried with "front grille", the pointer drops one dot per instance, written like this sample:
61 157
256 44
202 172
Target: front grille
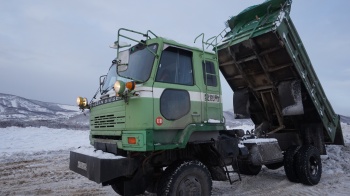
105 121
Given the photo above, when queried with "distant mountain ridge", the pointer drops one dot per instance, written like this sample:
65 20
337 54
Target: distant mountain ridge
22 112
345 119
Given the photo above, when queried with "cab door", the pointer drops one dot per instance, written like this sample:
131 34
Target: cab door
177 99
212 105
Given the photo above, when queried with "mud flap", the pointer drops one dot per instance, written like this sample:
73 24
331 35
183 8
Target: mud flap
312 134
101 170
140 179
339 138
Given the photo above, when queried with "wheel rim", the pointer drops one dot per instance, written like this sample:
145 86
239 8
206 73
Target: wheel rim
313 166
189 185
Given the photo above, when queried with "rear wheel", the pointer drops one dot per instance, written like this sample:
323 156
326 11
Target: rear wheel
290 163
309 165
185 178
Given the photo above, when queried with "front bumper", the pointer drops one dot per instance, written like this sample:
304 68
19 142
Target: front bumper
101 169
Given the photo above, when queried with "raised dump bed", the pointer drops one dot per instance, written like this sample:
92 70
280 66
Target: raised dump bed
265 63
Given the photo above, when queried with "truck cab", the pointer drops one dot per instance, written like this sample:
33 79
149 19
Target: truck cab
158 106
154 91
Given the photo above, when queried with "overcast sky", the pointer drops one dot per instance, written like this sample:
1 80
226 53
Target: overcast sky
54 51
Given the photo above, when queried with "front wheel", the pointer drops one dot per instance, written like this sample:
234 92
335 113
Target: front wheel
118 187
185 178
309 165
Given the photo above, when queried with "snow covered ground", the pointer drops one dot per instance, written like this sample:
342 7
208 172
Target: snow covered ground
35 140
34 161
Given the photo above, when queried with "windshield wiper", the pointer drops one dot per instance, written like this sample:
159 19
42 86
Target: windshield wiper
106 90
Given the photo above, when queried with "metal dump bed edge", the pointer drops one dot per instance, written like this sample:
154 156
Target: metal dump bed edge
264 61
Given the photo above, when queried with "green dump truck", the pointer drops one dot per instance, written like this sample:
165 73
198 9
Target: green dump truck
157 120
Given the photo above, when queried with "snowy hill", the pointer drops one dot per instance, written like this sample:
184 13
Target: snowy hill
345 119
22 112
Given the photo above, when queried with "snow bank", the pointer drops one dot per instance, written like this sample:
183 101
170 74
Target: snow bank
338 160
32 139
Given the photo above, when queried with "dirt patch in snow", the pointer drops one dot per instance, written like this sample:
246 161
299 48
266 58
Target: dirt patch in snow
47 173
44 174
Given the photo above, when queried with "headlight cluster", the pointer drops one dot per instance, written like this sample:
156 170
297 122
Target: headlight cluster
82 102
119 87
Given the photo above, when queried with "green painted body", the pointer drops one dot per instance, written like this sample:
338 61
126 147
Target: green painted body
161 103
114 122
270 26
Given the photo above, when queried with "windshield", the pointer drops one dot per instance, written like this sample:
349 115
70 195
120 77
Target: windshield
140 62
111 78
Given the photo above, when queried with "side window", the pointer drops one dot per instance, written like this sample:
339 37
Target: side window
175 67
174 104
209 74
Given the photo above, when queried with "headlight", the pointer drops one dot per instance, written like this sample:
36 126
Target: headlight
82 102
119 87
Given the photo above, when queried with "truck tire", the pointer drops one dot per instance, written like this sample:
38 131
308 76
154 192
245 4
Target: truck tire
185 178
118 187
290 163
309 165
249 169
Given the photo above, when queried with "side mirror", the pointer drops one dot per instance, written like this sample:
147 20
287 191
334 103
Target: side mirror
122 68
123 60
102 80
